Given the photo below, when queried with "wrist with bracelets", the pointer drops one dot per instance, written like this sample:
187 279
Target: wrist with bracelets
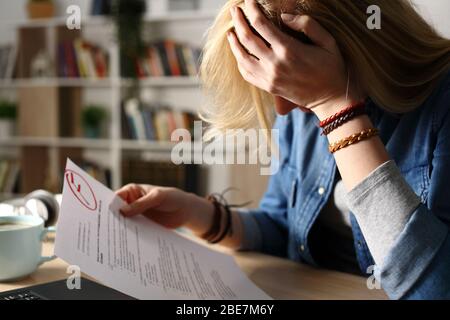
216 233
339 119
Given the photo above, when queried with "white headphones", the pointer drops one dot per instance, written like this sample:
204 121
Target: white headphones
39 203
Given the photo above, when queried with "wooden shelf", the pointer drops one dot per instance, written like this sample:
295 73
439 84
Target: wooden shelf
182 16
56 142
57 22
156 146
138 145
56 82
165 82
100 83
175 16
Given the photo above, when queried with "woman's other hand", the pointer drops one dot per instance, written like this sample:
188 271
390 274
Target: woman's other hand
297 74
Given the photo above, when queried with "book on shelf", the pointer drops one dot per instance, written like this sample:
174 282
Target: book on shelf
153 122
167 58
9 176
166 174
8 56
82 59
101 7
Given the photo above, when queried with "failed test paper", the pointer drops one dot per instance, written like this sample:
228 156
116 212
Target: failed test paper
135 255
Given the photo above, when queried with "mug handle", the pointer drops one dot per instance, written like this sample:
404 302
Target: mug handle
43 235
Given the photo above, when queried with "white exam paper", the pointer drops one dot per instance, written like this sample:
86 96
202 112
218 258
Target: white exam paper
136 256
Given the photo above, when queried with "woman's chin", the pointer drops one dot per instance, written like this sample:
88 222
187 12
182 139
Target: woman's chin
283 106
283 111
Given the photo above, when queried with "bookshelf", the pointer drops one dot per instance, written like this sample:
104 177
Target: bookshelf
44 142
183 81
51 145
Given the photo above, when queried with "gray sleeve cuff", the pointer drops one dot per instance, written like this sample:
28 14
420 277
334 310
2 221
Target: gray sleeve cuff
416 247
383 204
252 236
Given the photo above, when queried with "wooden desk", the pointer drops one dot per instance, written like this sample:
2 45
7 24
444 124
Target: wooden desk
281 279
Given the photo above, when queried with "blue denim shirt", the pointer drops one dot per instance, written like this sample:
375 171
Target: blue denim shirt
418 265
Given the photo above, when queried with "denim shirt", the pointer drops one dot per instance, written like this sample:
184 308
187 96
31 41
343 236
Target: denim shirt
418 265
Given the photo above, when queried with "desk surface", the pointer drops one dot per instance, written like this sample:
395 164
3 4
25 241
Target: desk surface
279 278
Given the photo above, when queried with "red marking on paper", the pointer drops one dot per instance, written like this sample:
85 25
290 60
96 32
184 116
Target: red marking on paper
81 190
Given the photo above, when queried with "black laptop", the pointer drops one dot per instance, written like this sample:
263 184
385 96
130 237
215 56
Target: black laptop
58 291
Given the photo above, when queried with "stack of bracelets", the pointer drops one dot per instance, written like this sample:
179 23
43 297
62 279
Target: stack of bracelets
216 233
332 123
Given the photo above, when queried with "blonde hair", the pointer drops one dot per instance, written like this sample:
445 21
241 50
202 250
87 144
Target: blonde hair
398 66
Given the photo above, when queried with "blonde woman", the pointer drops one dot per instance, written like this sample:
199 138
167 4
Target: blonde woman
370 186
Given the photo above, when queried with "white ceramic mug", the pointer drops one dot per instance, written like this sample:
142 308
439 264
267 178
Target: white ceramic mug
21 246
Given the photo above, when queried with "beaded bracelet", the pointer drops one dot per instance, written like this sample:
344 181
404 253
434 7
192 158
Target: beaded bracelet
342 120
341 113
353 139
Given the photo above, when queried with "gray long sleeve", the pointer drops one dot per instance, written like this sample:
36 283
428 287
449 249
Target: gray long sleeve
383 204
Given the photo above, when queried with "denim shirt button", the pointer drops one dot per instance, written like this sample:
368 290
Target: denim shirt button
321 191
302 248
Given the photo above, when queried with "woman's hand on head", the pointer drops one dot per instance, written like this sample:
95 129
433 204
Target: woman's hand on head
166 206
310 76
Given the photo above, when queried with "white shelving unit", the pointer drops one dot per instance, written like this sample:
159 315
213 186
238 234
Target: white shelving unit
109 152
99 21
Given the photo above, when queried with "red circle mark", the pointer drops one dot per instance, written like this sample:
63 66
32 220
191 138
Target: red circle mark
70 175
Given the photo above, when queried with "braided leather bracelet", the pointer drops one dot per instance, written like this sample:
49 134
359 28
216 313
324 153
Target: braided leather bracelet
342 120
215 234
212 233
353 139
341 113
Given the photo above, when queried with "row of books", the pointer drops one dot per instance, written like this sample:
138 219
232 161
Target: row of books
184 177
170 59
8 56
82 59
9 176
154 122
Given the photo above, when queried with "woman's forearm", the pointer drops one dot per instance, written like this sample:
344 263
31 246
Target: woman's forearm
378 195
357 161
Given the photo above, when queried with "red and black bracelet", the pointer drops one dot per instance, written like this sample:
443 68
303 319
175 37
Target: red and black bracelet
342 113
342 120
